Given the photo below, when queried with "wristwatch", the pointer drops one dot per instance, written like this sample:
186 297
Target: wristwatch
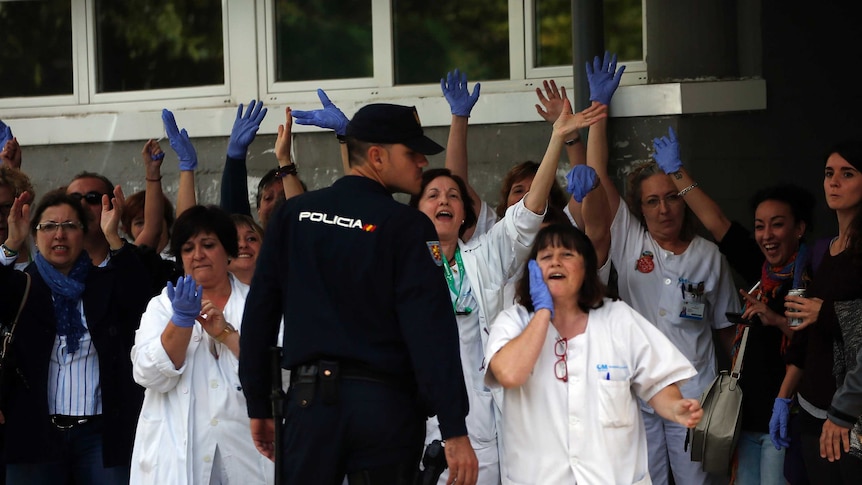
228 329
8 252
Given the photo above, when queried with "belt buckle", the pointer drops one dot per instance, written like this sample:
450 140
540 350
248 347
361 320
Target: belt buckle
76 422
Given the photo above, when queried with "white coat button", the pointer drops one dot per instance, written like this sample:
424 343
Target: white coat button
208 459
185 390
662 313
667 281
214 422
214 384
197 338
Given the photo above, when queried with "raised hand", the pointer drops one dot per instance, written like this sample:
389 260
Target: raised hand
10 153
778 423
539 292
180 142
569 123
153 155
552 101
112 212
185 300
18 221
282 140
330 117
580 181
604 78
667 152
245 128
5 133
454 88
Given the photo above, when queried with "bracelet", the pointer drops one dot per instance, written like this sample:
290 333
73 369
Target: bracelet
285 170
573 141
8 252
228 329
153 180
687 189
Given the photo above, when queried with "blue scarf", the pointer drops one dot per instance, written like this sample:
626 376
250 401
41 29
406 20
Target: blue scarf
67 291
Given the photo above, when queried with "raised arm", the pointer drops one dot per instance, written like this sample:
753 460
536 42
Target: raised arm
154 199
188 157
587 191
551 106
566 125
10 150
710 214
287 168
112 211
328 117
461 103
234 180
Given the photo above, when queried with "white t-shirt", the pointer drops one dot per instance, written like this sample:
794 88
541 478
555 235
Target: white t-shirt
684 295
588 429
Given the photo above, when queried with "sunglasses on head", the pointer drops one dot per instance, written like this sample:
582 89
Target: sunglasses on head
92 198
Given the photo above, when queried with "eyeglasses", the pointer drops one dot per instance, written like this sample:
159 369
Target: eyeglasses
561 369
653 202
92 198
51 227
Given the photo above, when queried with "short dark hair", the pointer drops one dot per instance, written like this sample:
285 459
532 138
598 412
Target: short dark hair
634 192
245 220
358 149
557 197
52 199
428 176
109 187
204 218
592 293
268 178
800 201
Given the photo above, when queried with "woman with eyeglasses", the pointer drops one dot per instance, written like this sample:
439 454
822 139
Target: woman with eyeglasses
70 401
194 426
573 364
678 281
478 271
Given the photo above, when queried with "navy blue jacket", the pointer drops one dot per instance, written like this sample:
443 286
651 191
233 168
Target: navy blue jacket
354 274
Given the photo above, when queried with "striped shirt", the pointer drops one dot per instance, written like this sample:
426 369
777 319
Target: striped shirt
73 379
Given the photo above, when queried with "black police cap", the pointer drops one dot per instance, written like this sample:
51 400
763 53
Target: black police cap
391 123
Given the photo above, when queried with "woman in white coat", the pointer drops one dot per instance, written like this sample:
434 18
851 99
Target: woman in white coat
573 364
477 273
194 427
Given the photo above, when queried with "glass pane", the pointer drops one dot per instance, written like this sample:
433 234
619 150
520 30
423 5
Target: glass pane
141 44
36 57
432 38
325 39
553 43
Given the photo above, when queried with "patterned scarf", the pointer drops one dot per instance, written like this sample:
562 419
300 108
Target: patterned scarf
772 278
67 291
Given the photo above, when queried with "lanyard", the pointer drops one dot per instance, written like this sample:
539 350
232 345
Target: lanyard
450 280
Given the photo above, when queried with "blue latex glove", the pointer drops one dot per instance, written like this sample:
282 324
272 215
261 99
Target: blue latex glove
180 142
5 134
667 152
778 423
580 180
185 300
455 90
604 78
245 128
329 117
539 292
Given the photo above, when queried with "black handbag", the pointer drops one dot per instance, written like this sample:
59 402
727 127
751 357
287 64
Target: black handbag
7 336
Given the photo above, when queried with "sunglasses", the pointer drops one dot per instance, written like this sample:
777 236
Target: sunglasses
92 198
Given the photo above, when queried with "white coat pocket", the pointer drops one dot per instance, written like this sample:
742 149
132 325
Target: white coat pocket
615 404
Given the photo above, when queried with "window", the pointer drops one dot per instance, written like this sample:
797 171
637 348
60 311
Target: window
36 58
143 45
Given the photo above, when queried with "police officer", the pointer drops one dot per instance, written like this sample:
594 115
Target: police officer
369 333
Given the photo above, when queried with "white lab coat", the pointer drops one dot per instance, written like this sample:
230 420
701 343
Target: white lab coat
490 259
588 429
190 412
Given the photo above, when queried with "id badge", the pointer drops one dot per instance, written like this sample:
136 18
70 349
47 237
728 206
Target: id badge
693 310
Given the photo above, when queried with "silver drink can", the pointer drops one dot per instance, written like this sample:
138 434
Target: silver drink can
794 321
